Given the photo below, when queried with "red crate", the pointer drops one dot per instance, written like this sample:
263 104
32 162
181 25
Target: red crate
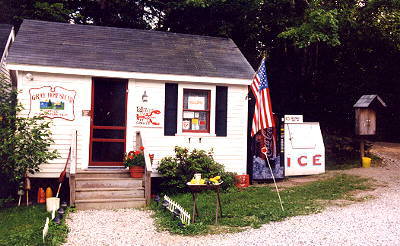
242 181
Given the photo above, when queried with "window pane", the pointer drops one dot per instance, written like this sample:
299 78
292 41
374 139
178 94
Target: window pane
105 133
195 121
195 99
108 151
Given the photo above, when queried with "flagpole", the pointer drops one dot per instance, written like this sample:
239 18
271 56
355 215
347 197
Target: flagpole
276 187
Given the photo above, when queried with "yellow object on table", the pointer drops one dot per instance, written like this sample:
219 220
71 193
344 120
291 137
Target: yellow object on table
366 162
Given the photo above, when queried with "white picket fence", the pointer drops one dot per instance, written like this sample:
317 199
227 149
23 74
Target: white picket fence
184 216
46 225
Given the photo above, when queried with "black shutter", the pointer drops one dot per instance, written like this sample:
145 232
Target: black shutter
171 109
221 111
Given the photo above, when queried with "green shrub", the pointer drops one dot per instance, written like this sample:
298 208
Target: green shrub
343 148
25 141
178 170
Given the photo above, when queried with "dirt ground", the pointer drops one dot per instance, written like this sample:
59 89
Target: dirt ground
373 222
388 172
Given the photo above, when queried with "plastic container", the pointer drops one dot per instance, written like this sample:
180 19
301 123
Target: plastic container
41 197
366 162
49 192
52 203
242 181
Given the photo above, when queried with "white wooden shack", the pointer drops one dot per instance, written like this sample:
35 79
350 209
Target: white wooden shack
108 90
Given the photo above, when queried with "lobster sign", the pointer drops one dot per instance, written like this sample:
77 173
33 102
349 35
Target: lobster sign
148 116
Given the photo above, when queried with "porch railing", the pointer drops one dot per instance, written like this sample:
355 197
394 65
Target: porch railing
140 141
73 166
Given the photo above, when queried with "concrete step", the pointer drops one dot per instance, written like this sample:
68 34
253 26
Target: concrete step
110 203
103 173
109 193
96 183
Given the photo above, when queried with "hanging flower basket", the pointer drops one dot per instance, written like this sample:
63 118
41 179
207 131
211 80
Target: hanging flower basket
136 171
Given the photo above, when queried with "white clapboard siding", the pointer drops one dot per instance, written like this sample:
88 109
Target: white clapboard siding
230 151
61 129
5 73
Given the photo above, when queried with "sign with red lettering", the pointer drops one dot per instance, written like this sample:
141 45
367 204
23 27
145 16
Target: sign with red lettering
148 115
304 149
196 103
52 102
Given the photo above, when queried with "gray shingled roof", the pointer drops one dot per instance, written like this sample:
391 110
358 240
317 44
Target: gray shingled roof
366 100
5 31
130 50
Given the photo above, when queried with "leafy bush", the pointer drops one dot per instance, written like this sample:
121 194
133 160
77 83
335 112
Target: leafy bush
178 170
25 141
344 147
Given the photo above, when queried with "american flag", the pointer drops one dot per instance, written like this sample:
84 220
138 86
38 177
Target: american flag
263 117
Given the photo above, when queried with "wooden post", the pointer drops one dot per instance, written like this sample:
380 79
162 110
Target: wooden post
219 202
362 149
72 189
195 209
216 210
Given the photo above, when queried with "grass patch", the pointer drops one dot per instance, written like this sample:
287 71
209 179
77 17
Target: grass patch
255 206
58 233
24 225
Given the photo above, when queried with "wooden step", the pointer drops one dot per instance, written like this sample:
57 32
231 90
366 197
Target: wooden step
108 183
110 203
103 173
109 193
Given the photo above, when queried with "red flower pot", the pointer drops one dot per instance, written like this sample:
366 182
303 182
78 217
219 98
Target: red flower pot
136 172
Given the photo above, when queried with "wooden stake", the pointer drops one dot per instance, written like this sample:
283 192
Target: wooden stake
27 198
362 149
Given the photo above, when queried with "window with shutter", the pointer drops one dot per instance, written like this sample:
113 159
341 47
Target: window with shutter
221 111
196 110
171 109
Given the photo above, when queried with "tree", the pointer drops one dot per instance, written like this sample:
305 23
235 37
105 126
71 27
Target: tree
235 19
25 141
116 13
14 11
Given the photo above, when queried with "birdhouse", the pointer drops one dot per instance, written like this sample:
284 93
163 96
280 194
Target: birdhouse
366 108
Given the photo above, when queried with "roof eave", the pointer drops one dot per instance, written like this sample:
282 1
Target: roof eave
10 40
127 75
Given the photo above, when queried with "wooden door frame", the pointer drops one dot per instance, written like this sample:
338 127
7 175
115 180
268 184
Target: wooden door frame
92 127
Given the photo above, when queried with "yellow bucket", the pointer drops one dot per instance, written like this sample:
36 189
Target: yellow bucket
366 162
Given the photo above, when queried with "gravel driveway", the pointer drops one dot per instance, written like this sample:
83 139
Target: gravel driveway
374 222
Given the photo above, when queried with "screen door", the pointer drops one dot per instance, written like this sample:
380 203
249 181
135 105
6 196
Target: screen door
108 122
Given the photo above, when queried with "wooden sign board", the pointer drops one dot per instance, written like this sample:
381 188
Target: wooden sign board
52 102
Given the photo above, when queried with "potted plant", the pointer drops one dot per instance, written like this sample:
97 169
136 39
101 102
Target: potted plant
135 161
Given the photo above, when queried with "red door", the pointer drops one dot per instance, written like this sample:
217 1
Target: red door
108 122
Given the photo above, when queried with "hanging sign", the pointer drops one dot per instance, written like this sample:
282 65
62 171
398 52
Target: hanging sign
148 115
52 102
